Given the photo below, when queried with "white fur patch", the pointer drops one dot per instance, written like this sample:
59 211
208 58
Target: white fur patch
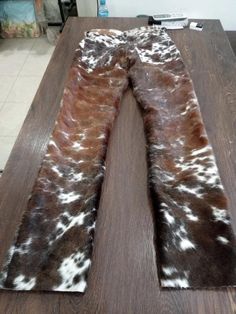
220 215
66 198
69 269
189 214
200 151
168 271
186 244
222 240
56 170
170 219
23 283
195 191
175 283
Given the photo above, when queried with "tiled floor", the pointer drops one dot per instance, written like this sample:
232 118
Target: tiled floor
22 64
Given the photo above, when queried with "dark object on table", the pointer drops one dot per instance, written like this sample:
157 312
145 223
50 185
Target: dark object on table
151 21
196 26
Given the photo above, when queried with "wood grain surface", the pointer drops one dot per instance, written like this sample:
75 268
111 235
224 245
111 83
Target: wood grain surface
232 39
123 277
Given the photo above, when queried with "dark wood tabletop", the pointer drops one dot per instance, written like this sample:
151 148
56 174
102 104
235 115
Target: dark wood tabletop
123 277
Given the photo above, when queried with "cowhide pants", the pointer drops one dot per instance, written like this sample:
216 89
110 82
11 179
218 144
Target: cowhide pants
195 243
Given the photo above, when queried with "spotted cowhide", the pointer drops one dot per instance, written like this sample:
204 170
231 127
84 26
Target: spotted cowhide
53 246
194 240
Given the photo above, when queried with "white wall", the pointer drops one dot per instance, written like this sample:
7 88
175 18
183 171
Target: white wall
225 10
87 7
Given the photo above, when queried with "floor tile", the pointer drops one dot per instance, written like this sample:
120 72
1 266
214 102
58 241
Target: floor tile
12 116
6 145
24 89
6 83
11 64
16 45
22 65
35 65
41 46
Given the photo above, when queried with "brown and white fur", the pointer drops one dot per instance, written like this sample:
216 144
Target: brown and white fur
194 240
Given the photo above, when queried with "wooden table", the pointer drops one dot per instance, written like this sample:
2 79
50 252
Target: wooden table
123 277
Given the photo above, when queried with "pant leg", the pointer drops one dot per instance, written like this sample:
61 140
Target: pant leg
194 239
54 243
